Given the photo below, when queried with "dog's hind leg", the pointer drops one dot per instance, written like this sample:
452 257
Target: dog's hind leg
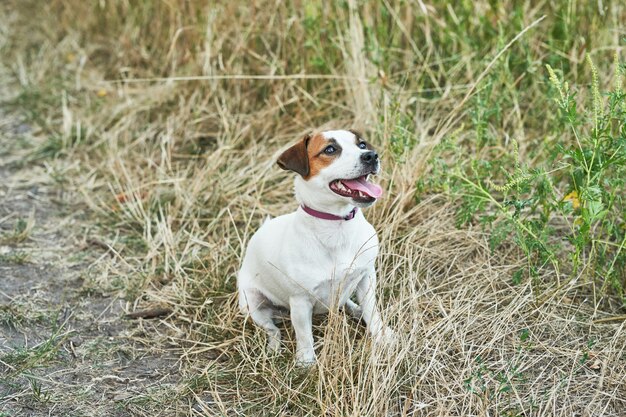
261 311
354 310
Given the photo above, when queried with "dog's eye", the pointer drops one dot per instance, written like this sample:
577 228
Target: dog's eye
330 150
362 145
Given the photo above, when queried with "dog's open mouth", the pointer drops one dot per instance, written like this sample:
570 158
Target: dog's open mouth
359 189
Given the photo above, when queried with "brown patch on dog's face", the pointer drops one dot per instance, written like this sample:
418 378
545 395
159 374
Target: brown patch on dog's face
310 155
321 152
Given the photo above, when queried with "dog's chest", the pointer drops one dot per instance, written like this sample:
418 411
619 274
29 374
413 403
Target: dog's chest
323 261
338 277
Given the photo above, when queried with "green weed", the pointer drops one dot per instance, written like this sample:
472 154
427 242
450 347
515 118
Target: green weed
37 391
23 359
16 258
21 231
566 213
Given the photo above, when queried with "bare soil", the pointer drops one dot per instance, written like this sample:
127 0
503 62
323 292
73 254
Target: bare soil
60 337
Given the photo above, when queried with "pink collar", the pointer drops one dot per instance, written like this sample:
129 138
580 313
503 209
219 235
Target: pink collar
328 216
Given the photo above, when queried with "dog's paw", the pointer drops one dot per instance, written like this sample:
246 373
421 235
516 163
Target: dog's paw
354 310
386 337
273 344
305 359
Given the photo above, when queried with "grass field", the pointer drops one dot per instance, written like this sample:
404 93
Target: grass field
502 130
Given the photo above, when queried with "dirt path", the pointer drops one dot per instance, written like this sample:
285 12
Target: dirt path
65 348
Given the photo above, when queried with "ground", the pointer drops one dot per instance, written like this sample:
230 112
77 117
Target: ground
65 348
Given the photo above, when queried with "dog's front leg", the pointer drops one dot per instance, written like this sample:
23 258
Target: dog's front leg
301 319
365 294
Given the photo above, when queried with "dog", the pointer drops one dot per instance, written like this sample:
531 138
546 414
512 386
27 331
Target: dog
314 259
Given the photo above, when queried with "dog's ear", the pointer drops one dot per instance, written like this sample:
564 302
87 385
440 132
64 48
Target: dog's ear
296 158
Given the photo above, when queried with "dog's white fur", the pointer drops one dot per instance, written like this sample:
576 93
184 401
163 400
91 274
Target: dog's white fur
309 265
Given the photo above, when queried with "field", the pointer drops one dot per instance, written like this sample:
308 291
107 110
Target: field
138 143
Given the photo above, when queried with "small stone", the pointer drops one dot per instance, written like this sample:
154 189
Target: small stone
76 341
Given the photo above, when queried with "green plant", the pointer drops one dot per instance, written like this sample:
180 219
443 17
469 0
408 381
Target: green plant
566 213
17 258
39 394
24 358
493 385
21 231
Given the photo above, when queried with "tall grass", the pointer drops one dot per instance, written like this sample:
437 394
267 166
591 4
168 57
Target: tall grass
165 118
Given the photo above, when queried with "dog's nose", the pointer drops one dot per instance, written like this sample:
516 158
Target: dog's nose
369 157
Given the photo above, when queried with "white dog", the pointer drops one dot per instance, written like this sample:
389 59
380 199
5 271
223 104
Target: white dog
315 258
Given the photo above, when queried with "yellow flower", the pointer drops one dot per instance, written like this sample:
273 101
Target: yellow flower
573 198
102 92
70 57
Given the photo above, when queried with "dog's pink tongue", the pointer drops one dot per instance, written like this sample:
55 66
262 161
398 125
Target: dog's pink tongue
362 185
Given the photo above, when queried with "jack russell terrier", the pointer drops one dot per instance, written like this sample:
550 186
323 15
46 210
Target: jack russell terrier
312 260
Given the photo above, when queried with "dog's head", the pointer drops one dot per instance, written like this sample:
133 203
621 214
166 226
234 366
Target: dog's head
335 166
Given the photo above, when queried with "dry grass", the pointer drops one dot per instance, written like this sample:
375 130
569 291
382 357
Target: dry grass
165 118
